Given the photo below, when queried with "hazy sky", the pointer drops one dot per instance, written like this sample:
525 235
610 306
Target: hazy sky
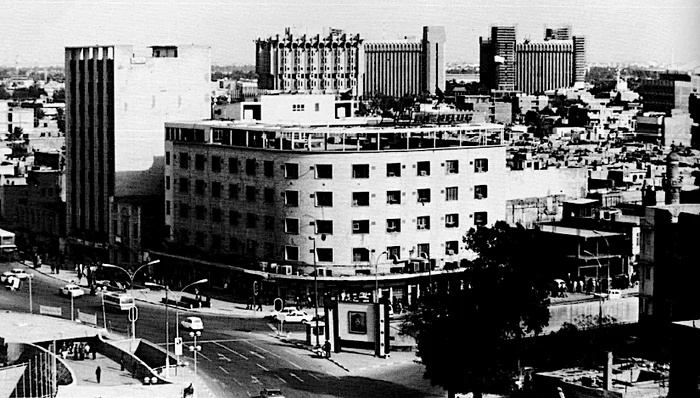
36 32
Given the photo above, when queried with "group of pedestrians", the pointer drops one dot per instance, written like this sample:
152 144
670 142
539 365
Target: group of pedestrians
78 351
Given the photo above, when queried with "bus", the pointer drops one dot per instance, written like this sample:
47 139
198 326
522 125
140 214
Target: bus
118 301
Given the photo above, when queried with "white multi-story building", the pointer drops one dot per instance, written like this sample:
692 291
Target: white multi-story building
273 192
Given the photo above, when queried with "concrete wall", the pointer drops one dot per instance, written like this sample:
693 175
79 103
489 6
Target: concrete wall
344 310
529 183
624 310
529 211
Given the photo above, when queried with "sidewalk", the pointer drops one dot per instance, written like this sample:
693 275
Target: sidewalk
218 307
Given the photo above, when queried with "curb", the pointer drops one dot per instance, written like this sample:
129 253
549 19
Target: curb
304 346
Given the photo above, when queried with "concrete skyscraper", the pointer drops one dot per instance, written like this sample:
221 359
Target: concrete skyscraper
532 66
116 107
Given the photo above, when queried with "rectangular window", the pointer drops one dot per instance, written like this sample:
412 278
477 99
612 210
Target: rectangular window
234 245
291 198
324 171
451 247
199 187
269 195
199 161
233 165
324 199
200 239
184 210
393 197
251 220
324 255
424 195
393 252
423 222
216 189
250 194
135 231
201 212
360 198
268 168
291 226
423 169
184 160
269 223
480 192
324 227
451 220
167 158
360 171
452 167
360 254
167 207
297 107
184 185
167 183
393 225
423 250
216 242
216 164
291 171
185 236
393 170
250 167
252 247
480 218
481 165
233 217
269 249
360 227
216 214
233 191
291 253
451 193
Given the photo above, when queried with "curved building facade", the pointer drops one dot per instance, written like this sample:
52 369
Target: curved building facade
368 199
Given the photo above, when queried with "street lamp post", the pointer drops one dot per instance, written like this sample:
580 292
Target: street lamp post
313 239
167 329
430 271
177 313
131 287
31 303
195 348
376 276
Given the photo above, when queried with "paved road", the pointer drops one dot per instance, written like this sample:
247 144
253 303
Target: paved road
239 356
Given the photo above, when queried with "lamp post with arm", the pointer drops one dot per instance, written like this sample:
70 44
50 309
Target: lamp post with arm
131 286
376 276
167 328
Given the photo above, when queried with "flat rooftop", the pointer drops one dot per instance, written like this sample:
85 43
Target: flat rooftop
583 233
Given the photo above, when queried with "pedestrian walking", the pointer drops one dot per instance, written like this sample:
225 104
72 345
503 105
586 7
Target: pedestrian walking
259 307
327 348
87 351
98 374
121 362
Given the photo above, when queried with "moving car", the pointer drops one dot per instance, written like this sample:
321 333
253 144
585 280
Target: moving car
192 323
5 276
71 289
276 315
297 316
271 393
20 273
122 302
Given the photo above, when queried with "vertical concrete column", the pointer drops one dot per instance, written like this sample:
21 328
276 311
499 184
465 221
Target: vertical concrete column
607 371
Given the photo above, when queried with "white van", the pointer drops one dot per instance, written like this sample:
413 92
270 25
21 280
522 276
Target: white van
119 301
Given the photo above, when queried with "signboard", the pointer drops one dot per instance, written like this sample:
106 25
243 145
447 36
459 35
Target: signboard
133 314
178 345
46 310
87 318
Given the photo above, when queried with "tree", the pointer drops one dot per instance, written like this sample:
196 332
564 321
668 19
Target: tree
588 333
16 135
4 94
59 95
468 332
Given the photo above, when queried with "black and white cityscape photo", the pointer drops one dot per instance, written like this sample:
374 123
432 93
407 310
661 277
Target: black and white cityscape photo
352 199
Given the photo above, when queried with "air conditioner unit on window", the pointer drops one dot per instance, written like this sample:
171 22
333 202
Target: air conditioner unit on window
450 224
354 203
450 252
321 271
286 270
391 229
423 173
355 226
391 174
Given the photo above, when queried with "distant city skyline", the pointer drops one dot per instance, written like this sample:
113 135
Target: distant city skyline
616 32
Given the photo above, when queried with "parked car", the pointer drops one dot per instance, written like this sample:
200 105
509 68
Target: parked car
271 393
297 316
192 323
614 294
277 315
71 289
20 273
